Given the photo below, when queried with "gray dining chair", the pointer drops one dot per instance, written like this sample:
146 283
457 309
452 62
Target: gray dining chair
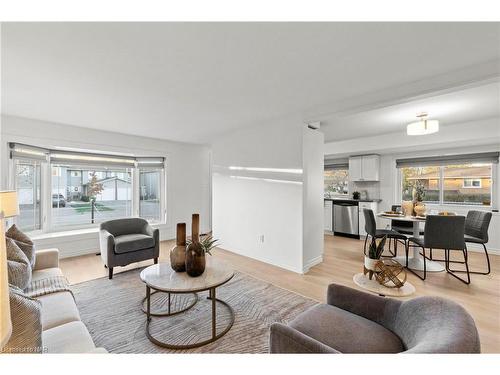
374 233
476 231
446 233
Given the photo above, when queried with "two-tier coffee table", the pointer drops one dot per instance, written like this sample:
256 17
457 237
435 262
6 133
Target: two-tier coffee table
161 278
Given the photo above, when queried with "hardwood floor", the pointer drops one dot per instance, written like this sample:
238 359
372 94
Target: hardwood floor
342 259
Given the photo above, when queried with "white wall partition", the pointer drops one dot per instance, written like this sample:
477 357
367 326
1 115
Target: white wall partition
261 206
187 172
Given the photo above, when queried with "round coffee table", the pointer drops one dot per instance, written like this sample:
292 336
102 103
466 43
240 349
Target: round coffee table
163 279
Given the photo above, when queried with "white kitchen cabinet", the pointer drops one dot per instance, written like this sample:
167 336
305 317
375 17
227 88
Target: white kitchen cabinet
362 205
328 222
364 168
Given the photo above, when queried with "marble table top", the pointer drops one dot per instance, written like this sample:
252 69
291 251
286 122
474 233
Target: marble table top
162 277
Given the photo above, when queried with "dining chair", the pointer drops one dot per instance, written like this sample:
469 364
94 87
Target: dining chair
401 226
477 224
446 233
374 233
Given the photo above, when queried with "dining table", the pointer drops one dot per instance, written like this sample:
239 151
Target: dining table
415 259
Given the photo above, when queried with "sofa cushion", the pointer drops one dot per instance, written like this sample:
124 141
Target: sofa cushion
71 337
25 315
24 243
133 242
58 309
346 332
18 265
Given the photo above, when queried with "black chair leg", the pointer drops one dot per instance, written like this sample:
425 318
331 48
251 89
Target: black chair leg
110 272
421 277
430 253
156 260
487 262
453 272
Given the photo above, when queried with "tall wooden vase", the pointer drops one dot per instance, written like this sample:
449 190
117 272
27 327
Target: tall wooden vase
178 253
195 255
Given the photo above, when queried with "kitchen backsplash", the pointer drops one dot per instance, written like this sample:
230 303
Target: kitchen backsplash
372 188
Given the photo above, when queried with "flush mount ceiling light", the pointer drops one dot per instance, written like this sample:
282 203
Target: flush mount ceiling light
422 126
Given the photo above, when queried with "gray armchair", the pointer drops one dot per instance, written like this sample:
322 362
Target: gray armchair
358 322
124 241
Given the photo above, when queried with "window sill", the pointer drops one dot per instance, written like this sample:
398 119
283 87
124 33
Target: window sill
73 232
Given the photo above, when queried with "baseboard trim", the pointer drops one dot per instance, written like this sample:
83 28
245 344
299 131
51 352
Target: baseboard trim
312 263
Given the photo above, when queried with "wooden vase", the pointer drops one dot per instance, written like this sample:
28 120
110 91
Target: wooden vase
195 254
178 253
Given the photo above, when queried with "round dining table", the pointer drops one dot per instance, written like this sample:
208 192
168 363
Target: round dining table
415 259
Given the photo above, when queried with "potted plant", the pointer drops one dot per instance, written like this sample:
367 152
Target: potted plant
375 251
197 248
418 197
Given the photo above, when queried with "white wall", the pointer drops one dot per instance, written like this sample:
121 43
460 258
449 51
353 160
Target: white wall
313 215
188 171
261 214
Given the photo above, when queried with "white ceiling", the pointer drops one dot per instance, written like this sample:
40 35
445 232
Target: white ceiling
465 105
192 81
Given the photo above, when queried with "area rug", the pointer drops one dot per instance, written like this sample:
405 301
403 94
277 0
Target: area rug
111 310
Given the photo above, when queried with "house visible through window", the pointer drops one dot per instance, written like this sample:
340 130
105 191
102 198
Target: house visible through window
89 195
336 182
462 184
84 189
27 175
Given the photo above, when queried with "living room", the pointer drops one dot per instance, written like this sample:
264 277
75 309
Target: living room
250 188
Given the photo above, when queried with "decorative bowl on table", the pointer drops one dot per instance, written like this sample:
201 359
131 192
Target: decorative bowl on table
393 213
446 213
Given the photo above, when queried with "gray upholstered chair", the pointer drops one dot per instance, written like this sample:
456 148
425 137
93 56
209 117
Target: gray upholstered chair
373 232
476 231
356 322
124 241
446 233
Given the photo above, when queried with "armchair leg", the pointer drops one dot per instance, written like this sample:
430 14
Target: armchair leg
110 270
156 260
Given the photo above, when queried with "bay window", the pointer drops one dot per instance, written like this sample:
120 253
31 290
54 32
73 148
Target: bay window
84 189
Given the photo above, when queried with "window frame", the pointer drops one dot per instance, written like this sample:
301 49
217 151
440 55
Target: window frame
46 219
399 191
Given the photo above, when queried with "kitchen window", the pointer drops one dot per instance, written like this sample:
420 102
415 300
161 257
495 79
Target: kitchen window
336 182
449 181
70 190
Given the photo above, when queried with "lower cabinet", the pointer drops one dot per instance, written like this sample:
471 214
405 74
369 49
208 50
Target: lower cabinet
328 220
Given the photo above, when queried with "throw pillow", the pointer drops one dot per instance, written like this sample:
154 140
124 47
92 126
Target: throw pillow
18 265
26 319
23 242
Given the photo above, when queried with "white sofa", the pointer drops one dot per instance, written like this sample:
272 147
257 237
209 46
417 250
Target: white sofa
62 329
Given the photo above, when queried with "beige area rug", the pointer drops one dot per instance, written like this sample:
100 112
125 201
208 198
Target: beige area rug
111 310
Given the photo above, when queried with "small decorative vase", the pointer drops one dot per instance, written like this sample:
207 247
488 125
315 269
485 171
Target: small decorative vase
370 263
195 259
195 254
369 266
178 253
407 208
419 209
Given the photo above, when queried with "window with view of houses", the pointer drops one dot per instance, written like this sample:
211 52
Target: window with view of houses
462 184
336 182
70 190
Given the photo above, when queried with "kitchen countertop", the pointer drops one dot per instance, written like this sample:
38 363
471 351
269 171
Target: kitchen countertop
353 200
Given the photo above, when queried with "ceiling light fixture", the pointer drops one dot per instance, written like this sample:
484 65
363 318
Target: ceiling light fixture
422 126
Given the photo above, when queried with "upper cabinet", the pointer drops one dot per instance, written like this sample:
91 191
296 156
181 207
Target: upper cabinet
364 168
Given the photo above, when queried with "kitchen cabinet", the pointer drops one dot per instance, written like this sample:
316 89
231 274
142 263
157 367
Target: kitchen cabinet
328 210
364 168
362 205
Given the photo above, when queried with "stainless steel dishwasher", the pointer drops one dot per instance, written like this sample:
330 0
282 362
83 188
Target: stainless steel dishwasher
345 219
